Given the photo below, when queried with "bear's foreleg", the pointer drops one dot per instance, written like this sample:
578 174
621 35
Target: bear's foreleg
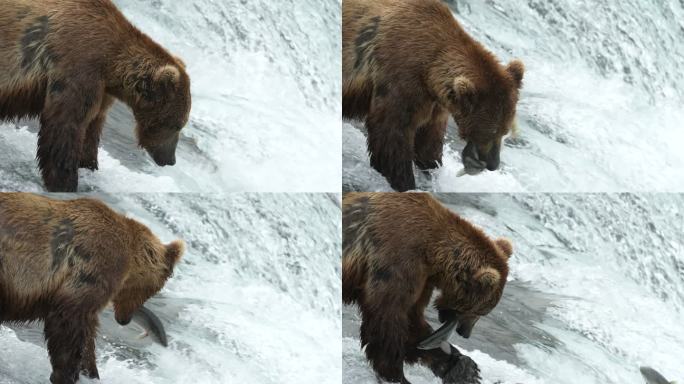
68 110
384 336
66 331
430 140
88 362
391 143
419 329
91 143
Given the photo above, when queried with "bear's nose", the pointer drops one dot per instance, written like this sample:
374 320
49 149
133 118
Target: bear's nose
125 321
493 164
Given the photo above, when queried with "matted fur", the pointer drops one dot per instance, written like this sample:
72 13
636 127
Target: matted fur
64 61
397 249
400 63
63 261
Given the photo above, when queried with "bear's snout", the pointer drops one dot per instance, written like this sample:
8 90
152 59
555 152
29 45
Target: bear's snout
475 160
163 156
493 161
493 157
165 153
464 331
164 161
466 324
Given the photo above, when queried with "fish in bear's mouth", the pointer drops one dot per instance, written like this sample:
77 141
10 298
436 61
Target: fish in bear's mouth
151 324
439 336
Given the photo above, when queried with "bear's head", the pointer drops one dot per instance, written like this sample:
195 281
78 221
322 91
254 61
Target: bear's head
478 289
152 264
484 109
161 105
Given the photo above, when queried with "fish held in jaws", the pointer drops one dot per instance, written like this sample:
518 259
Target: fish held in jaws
439 336
472 167
472 164
653 377
152 324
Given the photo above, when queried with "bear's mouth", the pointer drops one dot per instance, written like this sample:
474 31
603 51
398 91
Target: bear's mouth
163 154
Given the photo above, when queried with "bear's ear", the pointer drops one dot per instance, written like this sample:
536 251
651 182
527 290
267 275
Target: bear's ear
180 62
463 94
166 79
488 277
516 69
505 246
174 251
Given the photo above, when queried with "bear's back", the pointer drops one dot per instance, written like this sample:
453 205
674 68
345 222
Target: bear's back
45 243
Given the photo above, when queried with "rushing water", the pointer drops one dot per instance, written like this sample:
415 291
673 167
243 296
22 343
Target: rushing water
601 108
266 103
596 289
256 298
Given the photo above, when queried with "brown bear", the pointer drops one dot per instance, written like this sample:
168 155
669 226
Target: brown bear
65 61
64 261
406 66
397 249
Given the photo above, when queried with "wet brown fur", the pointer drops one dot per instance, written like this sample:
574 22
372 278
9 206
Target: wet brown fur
397 249
63 261
65 61
406 66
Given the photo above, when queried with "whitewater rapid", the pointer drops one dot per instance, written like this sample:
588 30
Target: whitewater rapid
266 103
256 298
600 111
596 290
